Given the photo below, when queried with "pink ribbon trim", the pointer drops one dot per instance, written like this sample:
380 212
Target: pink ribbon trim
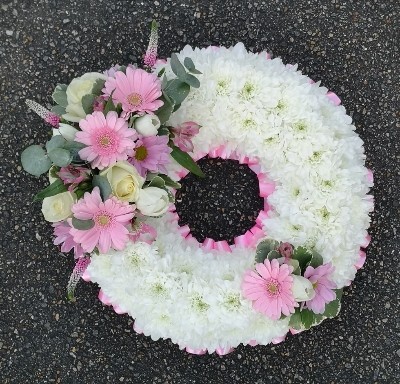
361 260
136 328
119 310
104 298
244 241
278 340
196 351
366 241
222 246
370 176
252 343
184 231
261 217
333 97
224 351
295 331
208 244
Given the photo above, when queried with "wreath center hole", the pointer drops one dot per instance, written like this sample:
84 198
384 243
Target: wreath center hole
221 206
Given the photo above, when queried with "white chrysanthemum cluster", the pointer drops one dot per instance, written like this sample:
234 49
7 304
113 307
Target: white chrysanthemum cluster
308 147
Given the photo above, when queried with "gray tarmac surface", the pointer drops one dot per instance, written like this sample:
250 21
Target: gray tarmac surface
352 46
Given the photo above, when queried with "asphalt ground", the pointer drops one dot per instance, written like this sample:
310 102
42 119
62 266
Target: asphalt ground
352 46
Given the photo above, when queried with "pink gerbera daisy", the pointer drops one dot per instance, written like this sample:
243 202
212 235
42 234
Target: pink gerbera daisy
321 279
137 90
110 220
270 289
108 139
63 237
151 153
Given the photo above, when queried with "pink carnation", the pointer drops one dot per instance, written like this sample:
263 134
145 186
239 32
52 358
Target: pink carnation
151 154
137 90
321 279
110 220
184 134
270 289
63 237
108 139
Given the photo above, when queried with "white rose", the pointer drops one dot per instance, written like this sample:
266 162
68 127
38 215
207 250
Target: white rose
66 131
125 181
57 208
152 201
147 125
302 289
78 88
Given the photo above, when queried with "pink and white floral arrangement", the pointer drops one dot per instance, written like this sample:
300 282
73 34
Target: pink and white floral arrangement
123 140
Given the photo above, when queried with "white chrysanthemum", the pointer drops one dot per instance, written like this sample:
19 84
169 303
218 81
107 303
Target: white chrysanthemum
308 147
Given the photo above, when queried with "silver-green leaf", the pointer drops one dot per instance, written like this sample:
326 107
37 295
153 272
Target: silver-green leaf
35 160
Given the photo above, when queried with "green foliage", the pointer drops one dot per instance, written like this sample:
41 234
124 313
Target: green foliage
186 161
82 224
53 189
87 103
97 87
35 160
177 67
164 112
60 157
156 181
109 105
169 182
58 110
104 186
60 95
177 90
264 248
56 141
303 256
316 260
188 62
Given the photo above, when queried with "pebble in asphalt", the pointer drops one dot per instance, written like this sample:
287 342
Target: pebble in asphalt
351 46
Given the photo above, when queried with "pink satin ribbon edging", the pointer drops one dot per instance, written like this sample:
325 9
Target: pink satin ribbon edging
104 298
361 260
224 351
196 351
333 97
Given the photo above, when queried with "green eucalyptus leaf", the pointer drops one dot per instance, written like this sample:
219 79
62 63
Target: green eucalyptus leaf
316 260
192 81
161 72
302 255
98 86
186 161
60 157
165 111
195 72
82 224
188 63
56 141
109 105
35 160
87 103
58 110
53 189
104 186
176 107
60 95
177 90
177 67
169 182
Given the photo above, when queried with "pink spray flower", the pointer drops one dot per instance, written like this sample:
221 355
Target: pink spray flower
286 250
323 285
46 115
151 154
137 91
151 52
270 289
63 237
72 176
184 134
110 218
108 139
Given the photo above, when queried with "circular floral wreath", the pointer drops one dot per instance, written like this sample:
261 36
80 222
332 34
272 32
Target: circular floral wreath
284 274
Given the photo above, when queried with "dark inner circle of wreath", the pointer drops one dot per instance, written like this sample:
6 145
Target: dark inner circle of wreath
221 206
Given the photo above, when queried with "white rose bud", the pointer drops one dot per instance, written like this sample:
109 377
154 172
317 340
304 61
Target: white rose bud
58 207
66 131
78 88
302 289
147 125
152 201
125 181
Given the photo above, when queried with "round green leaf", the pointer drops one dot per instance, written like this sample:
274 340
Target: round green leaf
60 157
56 141
35 161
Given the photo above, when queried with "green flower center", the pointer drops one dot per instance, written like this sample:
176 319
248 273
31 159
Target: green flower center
141 153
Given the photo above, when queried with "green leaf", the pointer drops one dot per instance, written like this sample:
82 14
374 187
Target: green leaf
273 255
295 320
161 72
56 141
109 105
97 87
316 260
186 161
188 63
74 147
307 318
332 309
192 81
169 182
157 182
177 67
164 112
60 157
87 103
60 95
164 82
104 186
163 131
177 90
58 110
264 248
35 160
53 189
302 255
82 224
176 107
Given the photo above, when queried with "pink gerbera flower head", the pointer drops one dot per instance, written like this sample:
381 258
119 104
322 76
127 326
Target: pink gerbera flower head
151 153
137 91
110 218
108 139
270 289
321 279
63 237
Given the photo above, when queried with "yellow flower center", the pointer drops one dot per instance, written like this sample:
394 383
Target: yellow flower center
134 99
103 220
141 153
273 287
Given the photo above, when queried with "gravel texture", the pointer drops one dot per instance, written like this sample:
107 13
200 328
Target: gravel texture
352 46
218 206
